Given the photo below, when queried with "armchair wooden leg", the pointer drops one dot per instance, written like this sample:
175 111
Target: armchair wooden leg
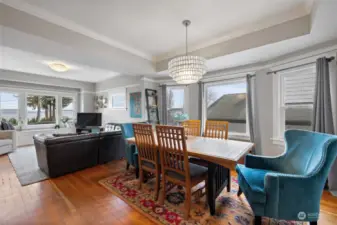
258 220
239 192
127 166
229 181
137 173
313 223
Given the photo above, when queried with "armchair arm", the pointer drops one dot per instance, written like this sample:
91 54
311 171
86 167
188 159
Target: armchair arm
262 162
9 134
289 195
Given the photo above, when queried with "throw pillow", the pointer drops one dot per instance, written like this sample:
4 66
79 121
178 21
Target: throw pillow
7 126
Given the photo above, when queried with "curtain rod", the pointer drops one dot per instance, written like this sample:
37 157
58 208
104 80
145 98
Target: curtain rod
292 67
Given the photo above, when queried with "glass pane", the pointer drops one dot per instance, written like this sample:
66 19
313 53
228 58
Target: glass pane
298 118
9 104
227 102
175 103
41 109
118 101
68 107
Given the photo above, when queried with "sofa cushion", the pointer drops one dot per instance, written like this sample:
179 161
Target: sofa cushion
5 142
6 126
252 183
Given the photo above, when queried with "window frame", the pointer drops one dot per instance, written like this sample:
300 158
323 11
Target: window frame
279 109
73 97
37 126
233 135
186 97
4 90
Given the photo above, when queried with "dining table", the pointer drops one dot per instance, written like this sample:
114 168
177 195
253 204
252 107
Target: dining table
221 156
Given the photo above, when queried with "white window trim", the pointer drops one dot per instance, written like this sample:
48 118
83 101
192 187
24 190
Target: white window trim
74 103
18 109
234 135
43 126
186 96
279 110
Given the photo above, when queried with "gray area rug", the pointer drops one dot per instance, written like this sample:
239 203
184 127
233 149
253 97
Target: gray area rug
24 162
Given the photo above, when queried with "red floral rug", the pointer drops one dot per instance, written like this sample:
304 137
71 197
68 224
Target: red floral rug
230 209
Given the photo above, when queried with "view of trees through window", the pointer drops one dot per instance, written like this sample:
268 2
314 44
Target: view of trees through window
68 107
41 109
227 102
9 107
175 103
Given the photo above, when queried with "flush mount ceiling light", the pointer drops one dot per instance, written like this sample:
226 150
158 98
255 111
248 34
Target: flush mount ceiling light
187 69
58 67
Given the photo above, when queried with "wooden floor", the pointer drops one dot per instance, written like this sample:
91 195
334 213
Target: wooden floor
77 199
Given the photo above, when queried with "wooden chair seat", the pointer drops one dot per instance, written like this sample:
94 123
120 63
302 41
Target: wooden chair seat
196 171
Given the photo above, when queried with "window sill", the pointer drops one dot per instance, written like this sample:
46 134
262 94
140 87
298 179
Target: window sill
238 136
278 141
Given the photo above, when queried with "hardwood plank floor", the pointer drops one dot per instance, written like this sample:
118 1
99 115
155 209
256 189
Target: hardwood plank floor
78 199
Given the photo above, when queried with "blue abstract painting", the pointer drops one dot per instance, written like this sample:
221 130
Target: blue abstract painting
136 105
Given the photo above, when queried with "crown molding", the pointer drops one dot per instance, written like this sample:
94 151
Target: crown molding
68 24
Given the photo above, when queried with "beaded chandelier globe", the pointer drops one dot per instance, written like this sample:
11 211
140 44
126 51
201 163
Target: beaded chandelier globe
187 69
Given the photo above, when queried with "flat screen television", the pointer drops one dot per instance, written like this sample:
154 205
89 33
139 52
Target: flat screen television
89 120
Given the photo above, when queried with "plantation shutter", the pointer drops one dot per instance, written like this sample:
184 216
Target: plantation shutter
298 85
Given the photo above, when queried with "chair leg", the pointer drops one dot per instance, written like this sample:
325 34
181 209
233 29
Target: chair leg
141 178
137 173
127 166
239 192
157 186
163 191
188 202
313 223
258 220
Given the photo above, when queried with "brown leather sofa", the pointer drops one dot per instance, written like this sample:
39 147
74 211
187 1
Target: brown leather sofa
60 155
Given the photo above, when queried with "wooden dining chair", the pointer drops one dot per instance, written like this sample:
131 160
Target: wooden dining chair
216 129
175 165
148 154
192 127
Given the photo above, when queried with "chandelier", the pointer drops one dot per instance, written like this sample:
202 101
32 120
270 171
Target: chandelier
187 69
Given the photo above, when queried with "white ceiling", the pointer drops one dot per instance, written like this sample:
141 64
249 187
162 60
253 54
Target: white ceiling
21 61
150 30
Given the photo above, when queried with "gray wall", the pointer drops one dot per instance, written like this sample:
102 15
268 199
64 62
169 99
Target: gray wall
85 90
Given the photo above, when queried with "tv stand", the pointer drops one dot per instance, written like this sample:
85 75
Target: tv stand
79 130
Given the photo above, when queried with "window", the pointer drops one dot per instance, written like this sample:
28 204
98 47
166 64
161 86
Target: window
175 102
68 107
9 107
118 101
226 101
41 109
295 96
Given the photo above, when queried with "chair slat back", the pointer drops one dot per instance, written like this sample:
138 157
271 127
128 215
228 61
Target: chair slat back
192 127
145 143
216 129
172 146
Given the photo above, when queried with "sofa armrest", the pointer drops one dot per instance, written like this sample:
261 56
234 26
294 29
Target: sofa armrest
9 134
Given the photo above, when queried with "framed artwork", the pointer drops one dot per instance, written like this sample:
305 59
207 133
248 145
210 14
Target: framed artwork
136 105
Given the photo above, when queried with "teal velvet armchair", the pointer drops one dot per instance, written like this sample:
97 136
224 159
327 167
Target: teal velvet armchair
131 152
290 186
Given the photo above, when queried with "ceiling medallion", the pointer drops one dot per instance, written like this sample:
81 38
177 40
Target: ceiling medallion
58 67
187 69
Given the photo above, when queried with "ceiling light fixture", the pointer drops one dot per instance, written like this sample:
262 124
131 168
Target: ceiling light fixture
58 67
187 69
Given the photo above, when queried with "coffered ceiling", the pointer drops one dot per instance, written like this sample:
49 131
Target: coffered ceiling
139 37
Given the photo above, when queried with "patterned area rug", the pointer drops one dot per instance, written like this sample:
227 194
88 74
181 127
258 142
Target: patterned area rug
230 209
